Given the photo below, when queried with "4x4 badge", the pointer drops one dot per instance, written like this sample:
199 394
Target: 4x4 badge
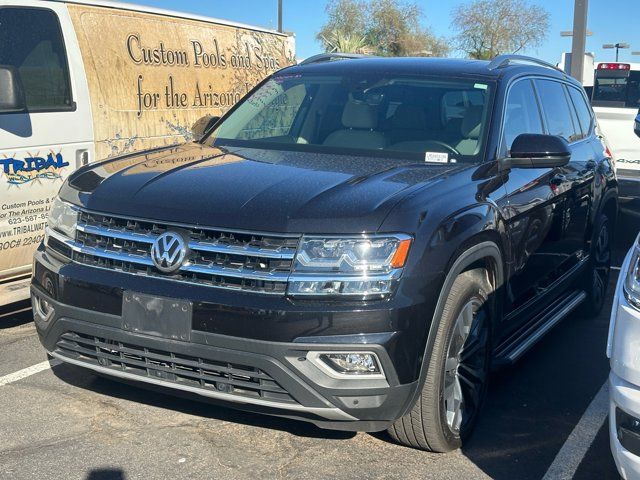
168 252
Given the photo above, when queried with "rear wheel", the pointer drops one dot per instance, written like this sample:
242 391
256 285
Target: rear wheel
596 281
455 386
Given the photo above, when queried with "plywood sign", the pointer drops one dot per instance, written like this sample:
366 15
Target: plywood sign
152 77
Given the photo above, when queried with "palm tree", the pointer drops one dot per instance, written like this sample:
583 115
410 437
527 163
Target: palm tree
346 43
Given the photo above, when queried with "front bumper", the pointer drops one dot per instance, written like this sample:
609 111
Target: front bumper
624 379
626 397
267 376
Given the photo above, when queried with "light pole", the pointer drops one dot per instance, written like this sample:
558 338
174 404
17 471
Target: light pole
617 46
579 44
280 16
569 33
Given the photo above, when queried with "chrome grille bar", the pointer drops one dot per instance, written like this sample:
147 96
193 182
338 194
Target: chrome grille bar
122 234
230 260
146 261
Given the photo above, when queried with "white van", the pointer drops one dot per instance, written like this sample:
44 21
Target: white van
615 100
83 80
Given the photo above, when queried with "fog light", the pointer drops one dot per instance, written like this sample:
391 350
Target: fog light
628 431
341 364
42 308
356 363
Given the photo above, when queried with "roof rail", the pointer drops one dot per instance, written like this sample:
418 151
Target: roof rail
330 57
502 61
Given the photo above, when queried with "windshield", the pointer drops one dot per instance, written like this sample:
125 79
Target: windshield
426 119
617 90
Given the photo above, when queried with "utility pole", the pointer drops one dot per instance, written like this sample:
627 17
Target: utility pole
618 47
579 44
280 16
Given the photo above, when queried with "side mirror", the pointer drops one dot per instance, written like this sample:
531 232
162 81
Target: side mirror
203 126
538 151
636 125
12 97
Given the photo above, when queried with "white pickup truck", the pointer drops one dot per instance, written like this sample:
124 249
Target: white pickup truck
615 100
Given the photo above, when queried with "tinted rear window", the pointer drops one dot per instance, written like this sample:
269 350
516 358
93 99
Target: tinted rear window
556 110
616 90
582 109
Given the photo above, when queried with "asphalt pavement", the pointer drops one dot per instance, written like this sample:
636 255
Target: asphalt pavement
543 416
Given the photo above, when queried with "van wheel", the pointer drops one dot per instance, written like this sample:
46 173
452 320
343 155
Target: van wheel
456 382
596 280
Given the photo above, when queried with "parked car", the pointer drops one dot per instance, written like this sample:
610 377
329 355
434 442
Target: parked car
615 100
86 79
624 379
344 247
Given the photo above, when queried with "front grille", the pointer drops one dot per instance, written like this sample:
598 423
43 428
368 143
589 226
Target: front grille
232 260
207 374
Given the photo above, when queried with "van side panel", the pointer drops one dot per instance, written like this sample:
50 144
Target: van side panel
151 77
42 146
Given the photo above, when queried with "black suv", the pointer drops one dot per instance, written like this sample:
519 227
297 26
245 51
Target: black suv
355 244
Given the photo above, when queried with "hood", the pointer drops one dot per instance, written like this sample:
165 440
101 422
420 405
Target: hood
251 189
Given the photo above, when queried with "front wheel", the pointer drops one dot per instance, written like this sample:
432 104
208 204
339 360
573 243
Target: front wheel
455 386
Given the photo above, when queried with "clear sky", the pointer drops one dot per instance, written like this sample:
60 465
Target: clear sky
610 20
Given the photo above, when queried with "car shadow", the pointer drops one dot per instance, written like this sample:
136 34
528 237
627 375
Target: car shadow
15 314
106 474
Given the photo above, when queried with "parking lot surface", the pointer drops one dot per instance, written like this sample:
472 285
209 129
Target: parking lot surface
544 418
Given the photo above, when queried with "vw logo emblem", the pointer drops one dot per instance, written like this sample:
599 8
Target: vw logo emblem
169 252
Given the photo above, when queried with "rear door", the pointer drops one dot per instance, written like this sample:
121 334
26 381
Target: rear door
541 205
41 146
575 179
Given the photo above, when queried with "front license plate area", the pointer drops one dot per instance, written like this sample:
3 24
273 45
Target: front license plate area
157 316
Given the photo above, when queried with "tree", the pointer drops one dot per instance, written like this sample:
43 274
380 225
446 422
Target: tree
486 28
346 20
381 27
339 41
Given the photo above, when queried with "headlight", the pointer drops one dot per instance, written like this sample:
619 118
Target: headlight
63 218
362 266
632 280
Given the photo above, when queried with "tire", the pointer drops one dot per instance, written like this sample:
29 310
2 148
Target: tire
435 423
596 279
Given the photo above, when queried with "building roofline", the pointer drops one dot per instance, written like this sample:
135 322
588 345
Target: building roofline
167 13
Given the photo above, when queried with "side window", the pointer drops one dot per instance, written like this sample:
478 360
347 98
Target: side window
522 113
583 109
32 42
556 110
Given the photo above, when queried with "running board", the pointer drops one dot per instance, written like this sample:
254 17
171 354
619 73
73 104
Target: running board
516 348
